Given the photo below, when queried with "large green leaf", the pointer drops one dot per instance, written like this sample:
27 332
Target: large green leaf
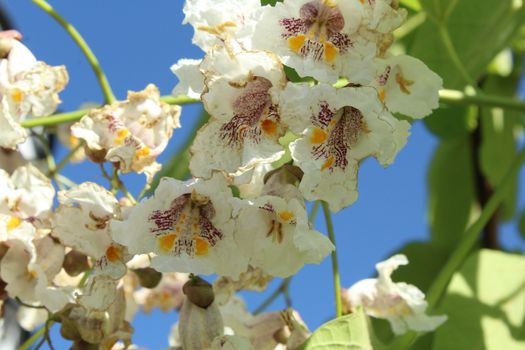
479 30
345 333
498 143
485 303
451 191
451 121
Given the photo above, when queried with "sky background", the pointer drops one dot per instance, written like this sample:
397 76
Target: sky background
136 42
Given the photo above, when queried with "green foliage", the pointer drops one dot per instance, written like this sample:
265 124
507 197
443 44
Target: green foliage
484 303
479 30
498 148
452 121
451 191
269 2
345 333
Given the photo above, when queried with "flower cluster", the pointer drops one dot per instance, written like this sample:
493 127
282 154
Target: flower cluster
341 110
27 88
306 84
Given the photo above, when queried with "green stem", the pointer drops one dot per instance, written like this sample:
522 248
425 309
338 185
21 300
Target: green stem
76 115
282 289
470 238
453 55
65 160
335 265
410 25
79 40
459 98
34 337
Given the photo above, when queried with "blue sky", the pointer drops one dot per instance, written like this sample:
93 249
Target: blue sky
136 43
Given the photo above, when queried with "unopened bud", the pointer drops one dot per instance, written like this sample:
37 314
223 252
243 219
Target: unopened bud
75 263
199 292
148 277
198 326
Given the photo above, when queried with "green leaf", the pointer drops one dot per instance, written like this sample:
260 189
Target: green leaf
498 148
411 4
485 304
521 224
451 191
269 2
344 333
479 30
451 121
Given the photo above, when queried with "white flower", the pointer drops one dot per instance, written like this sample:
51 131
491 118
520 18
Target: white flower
26 194
167 295
406 85
403 305
274 232
27 87
216 21
188 225
318 38
242 98
254 279
382 16
339 128
191 80
132 133
28 268
82 219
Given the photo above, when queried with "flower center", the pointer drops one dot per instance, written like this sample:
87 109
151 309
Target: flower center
254 115
317 31
334 133
186 226
13 223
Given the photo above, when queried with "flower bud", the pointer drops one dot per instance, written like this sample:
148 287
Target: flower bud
199 326
199 292
148 277
75 263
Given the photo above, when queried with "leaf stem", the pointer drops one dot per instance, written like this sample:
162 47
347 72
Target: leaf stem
456 97
335 265
76 115
79 40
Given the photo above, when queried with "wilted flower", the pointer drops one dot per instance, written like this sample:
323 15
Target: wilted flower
187 225
27 87
403 305
167 295
131 133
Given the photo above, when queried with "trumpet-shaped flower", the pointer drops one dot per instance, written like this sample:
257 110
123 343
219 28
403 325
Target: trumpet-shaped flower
27 87
406 85
187 225
242 96
82 219
403 305
131 133
339 128
319 38
275 233
217 21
